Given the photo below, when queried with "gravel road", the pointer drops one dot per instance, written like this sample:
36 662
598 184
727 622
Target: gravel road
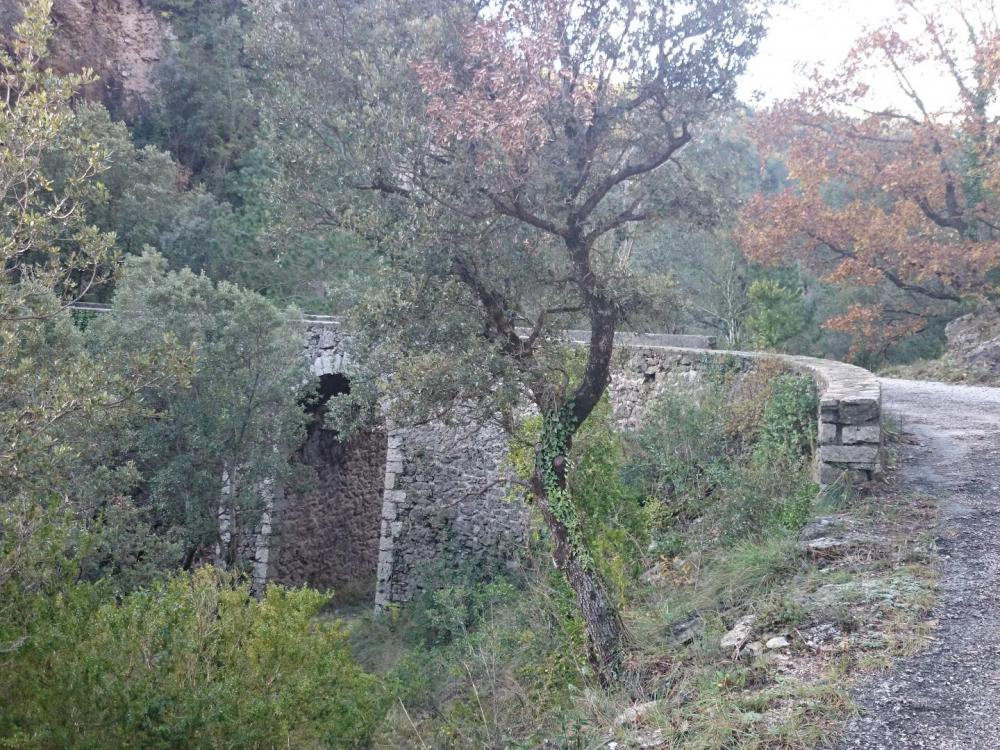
948 696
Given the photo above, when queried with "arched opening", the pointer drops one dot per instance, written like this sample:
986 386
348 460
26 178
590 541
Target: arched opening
326 534
332 384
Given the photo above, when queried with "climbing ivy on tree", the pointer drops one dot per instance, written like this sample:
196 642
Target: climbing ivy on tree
499 162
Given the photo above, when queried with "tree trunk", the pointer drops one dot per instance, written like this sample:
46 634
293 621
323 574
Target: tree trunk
606 634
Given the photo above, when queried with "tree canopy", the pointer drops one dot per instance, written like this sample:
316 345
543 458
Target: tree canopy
898 190
501 159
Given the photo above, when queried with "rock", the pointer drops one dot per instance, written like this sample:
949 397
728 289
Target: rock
685 630
778 642
755 647
820 634
840 542
121 40
827 433
861 434
827 546
739 633
974 340
635 714
654 739
852 456
825 526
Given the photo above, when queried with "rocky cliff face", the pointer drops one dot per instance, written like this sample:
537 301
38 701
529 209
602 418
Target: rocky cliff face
974 339
120 40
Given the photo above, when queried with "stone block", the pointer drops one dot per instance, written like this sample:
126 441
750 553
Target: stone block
827 433
852 456
830 474
853 434
859 412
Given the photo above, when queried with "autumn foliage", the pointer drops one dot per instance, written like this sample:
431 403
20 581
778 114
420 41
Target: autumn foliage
897 184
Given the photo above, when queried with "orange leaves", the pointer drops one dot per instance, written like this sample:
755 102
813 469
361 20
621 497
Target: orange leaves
872 331
494 93
905 190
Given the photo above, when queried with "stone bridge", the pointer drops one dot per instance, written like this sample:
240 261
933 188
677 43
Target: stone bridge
393 504
407 500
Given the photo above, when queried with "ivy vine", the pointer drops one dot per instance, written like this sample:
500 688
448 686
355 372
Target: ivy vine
557 432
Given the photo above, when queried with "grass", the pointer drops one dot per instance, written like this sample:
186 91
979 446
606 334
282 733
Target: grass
877 601
944 370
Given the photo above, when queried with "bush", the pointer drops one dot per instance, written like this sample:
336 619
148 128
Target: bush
191 662
738 453
508 670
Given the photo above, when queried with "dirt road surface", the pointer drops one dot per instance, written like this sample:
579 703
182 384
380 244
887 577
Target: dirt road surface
948 696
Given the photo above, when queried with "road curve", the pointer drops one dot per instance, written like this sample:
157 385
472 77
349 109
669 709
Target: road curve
948 696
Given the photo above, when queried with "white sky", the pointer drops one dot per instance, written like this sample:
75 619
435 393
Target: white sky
812 32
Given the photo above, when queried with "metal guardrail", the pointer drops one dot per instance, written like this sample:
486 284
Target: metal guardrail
101 307
623 338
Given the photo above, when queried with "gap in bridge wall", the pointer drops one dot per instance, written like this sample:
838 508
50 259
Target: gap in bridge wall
326 535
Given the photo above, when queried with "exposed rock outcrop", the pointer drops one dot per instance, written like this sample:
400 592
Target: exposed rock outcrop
974 340
120 40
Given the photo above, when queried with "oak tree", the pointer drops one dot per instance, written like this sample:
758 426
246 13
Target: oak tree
500 159
893 184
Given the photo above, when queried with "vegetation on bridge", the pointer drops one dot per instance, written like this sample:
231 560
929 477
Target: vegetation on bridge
462 179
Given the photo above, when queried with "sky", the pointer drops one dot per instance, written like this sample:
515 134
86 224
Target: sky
808 33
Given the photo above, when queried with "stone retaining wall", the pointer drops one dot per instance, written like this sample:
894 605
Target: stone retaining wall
445 504
850 436
327 535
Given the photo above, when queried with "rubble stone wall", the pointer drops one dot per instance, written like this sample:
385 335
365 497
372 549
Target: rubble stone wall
446 502
327 535
850 436
436 494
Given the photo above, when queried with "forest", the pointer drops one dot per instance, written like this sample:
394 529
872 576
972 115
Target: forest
457 183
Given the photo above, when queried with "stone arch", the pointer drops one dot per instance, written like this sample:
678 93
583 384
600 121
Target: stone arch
325 533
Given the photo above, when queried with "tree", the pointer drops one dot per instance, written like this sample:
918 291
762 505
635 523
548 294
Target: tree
56 398
51 390
212 452
500 159
777 313
900 190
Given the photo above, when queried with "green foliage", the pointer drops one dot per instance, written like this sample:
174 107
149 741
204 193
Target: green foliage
488 665
221 441
59 402
777 313
681 448
618 519
739 449
788 422
203 112
194 661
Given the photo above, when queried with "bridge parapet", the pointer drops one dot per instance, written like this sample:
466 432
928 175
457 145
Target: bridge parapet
849 440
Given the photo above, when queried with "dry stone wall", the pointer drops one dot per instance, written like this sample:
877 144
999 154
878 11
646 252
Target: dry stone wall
327 535
850 436
436 493
445 503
